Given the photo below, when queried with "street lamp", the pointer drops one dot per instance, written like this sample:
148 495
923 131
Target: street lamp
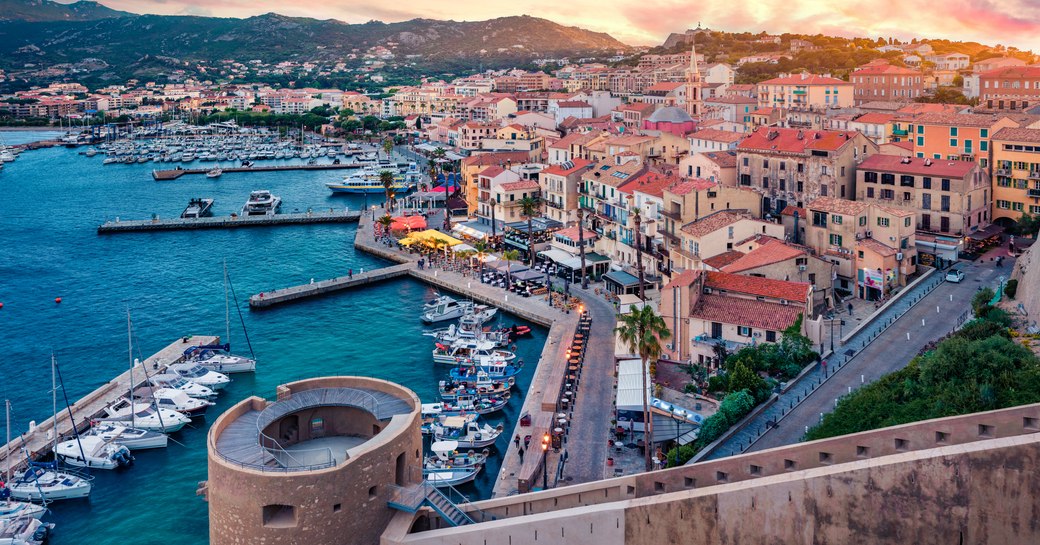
545 461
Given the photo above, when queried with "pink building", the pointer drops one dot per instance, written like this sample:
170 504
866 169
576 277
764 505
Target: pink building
670 119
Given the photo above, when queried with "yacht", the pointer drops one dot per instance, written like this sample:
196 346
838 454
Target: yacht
368 180
479 385
131 438
471 328
215 173
468 434
197 208
12 509
465 405
143 416
173 380
497 370
196 373
447 309
43 482
261 203
93 452
24 530
216 358
446 455
469 353
174 400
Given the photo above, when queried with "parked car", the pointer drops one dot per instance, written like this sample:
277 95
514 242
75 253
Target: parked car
954 275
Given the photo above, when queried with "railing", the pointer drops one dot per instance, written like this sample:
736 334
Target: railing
675 216
708 340
1003 172
1033 192
1034 175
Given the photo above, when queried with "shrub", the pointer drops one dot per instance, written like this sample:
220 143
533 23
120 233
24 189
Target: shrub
1011 288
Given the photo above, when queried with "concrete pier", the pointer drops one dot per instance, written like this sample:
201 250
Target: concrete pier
39 440
173 174
227 222
304 291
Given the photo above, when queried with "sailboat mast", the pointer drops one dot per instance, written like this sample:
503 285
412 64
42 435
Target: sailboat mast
7 455
227 308
130 357
54 406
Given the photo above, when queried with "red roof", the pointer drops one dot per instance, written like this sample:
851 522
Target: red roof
745 312
571 233
691 184
878 68
650 183
805 79
665 86
790 209
795 140
725 159
917 166
492 171
717 135
573 104
519 185
576 165
684 279
758 286
773 251
723 259
1031 72
875 117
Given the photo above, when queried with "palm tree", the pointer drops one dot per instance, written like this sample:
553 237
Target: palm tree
387 179
385 221
581 246
639 251
388 146
642 331
482 249
529 208
510 256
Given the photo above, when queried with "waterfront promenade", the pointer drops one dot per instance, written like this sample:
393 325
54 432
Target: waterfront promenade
38 441
173 174
228 222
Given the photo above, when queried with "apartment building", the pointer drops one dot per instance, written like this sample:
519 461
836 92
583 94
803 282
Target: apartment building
714 166
805 91
507 196
715 234
960 137
488 208
605 205
793 166
560 189
1016 174
949 197
879 80
873 247
1010 88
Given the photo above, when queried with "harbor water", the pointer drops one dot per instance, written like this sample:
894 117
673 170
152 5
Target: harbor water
173 284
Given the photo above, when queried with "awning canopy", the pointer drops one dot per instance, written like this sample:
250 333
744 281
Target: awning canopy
463 248
537 224
622 279
408 222
989 231
630 385
555 255
529 274
465 230
429 238
591 258
502 265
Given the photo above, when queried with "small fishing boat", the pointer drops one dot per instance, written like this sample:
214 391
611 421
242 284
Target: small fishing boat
42 481
175 381
446 455
480 385
24 530
200 375
143 416
471 328
450 476
215 173
12 509
473 404
93 452
469 434
131 438
469 353
499 370
433 413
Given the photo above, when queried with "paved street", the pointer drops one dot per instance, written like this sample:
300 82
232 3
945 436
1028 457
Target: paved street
889 352
587 439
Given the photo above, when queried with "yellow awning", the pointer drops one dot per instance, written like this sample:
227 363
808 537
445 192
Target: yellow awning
428 237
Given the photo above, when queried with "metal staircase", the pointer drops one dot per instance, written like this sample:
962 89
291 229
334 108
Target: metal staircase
411 499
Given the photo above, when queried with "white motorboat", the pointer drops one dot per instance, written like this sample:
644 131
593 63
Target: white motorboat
480 384
434 413
469 434
450 476
446 454
216 358
143 416
173 399
175 381
471 352
43 482
131 438
200 375
471 328
93 452
215 173
12 509
446 308
23 531
261 203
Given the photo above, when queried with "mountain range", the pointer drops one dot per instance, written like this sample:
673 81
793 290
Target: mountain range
39 33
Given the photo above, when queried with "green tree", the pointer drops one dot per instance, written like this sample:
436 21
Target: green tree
1028 225
744 378
387 179
529 208
388 146
736 405
642 331
980 302
385 221
510 256
483 250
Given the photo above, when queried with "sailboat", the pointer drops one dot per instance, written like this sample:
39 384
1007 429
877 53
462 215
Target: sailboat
9 508
44 481
217 357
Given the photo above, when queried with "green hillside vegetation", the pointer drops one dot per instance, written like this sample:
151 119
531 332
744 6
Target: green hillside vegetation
981 367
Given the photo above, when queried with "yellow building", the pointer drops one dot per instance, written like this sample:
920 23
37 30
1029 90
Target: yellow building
801 91
1016 174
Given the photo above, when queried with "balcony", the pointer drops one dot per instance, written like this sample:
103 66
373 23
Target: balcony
674 216
900 132
552 204
1034 175
670 237
707 340
1003 172
1034 193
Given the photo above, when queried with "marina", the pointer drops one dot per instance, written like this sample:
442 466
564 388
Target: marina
314 289
228 222
172 174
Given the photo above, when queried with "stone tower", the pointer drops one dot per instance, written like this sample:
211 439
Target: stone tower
694 83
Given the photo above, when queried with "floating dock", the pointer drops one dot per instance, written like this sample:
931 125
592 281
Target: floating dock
304 291
39 439
173 174
227 222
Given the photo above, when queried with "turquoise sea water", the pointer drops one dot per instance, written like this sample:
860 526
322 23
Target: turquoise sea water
53 201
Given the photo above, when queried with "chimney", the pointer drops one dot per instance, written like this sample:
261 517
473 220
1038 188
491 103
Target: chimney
800 134
927 162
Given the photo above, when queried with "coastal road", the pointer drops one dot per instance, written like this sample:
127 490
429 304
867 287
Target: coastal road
890 352
590 423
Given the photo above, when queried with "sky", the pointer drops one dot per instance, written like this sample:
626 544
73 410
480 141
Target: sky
648 22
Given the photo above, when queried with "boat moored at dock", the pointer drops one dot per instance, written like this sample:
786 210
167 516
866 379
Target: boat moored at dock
131 438
93 452
198 208
200 375
143 416
261 203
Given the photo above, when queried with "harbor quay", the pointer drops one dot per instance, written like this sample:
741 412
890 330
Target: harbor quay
228 222
38 441
174 173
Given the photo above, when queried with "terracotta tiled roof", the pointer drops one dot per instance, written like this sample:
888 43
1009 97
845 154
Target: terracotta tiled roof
795 140
773 251
789 210
716 135
643 107
503 157
917 166
571 233
572 138
687 185
877 247
684 279
835 205
873 68
745 312
519 185
712 223
665 86
1032 72
492 171
1017 135
758 286
723 259
905 144
960 120
576 165
875 117
650 183
741 87
804 79
725 159
732 99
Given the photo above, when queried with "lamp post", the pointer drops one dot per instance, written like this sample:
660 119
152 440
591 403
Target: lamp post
545 461
832 334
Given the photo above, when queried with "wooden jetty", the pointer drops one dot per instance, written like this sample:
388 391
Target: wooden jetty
303 291
38 440
227 222
173 174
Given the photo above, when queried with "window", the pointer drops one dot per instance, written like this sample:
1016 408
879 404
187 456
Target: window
888 179
870 192
984 133
944 203
835 240
765 163
745 161
906 223
836 219
984 146
926 183
906 181
743 331
771 336
926 201
920 140
819 219
882 222
863 221
870 177
279 516
945 184
953 142
888 194
953 131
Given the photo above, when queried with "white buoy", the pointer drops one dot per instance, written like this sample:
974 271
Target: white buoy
908 335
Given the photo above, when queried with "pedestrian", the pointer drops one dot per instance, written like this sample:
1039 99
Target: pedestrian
516 440
521 453
350 273
850 309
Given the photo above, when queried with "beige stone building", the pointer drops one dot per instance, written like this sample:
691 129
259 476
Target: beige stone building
559 185
715 234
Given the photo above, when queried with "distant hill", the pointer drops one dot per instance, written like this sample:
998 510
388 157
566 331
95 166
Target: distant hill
45 10
122 43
